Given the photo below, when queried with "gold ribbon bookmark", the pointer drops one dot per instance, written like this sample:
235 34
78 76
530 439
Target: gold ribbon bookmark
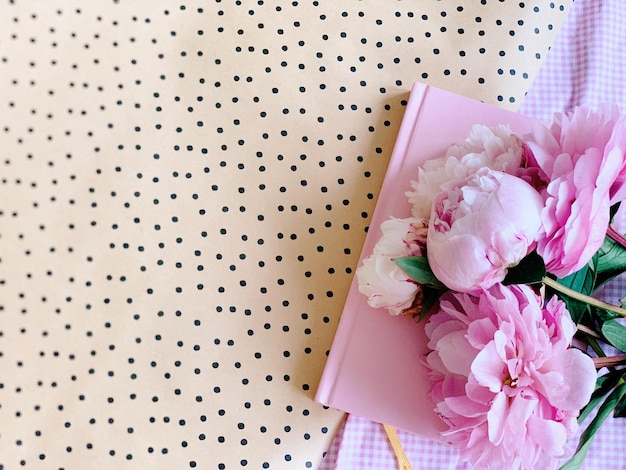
403 461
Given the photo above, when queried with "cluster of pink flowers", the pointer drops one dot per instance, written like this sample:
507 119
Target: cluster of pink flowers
505 378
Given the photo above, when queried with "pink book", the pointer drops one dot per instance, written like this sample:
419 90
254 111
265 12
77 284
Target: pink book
374 368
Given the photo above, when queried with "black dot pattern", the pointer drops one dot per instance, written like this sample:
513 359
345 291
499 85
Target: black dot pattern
184 192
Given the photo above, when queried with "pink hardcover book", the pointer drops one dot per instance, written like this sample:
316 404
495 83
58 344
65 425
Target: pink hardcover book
374 369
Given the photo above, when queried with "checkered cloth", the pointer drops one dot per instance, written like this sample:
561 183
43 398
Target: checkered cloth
586 65
587 62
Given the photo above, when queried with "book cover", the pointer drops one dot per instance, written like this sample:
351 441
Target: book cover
373 369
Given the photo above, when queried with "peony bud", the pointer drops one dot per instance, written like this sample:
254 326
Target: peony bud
480 227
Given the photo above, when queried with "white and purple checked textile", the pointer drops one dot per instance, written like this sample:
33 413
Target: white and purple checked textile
587 62
586 65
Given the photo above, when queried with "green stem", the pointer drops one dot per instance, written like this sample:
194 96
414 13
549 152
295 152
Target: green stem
596 347
582 297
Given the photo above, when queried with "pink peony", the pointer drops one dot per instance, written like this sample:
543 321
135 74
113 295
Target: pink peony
480 227
380 279
581 159
615 150
505 378
496 148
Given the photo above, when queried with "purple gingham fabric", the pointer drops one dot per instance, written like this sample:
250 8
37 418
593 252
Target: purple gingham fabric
363 444
585 66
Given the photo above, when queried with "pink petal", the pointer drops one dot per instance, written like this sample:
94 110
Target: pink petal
488 368
466 407
480 332
477 392
496 417
580 379
456 353
520 410
547 434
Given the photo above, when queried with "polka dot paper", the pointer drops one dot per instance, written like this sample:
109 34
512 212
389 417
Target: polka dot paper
185 188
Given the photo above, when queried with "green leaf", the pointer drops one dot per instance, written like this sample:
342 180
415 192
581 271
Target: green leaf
430 298
620 409
604 411
604 315
530 270
615 333
582 281
417 268
611 261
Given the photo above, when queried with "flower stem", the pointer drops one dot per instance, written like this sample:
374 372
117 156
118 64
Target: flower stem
610 361
582 297
588 331
596 347
616 236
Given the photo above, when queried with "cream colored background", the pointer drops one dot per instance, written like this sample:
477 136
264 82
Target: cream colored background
185 188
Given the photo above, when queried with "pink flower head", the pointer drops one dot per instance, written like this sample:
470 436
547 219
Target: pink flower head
582 160
505 378
380 279
480 227
492 147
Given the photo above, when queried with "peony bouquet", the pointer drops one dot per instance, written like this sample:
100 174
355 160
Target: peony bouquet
509 238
